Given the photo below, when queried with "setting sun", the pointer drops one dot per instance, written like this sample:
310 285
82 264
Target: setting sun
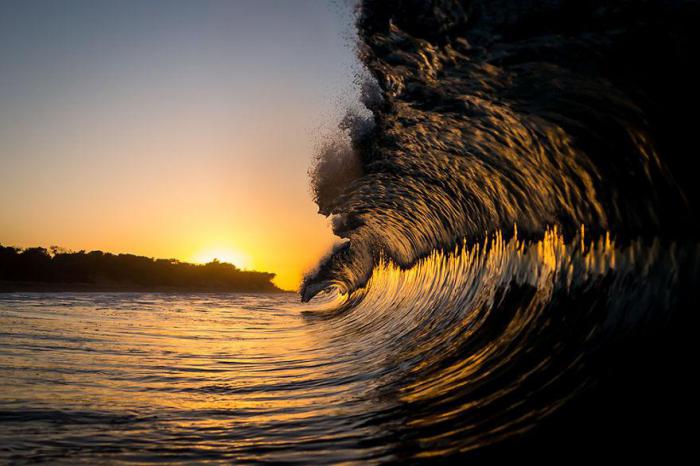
222 254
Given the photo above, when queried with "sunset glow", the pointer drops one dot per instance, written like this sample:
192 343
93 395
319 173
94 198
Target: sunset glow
222 254
150 138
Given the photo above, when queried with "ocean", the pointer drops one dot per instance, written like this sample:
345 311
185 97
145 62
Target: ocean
498 351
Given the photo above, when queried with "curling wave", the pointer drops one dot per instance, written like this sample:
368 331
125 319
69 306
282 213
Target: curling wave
535 118
488 114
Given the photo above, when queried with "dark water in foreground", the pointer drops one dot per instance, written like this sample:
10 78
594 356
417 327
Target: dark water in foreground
547 351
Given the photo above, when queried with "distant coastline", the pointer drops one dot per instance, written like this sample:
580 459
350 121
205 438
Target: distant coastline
47 287
56 270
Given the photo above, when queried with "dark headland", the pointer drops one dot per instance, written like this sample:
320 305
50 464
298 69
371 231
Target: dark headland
40 269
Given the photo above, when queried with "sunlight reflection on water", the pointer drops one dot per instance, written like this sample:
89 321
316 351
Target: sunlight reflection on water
169 375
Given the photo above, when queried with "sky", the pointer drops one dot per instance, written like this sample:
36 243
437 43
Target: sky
171 129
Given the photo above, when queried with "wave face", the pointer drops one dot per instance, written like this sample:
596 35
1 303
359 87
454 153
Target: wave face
512 348
532 117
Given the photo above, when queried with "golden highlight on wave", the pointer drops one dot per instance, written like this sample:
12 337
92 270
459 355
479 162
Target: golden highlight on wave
487 340
547 264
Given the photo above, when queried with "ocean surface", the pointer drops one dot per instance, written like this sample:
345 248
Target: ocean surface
502 350
89 377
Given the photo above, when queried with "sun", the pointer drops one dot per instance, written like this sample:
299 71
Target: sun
222 254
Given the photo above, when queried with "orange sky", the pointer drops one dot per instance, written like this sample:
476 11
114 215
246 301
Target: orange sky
186 135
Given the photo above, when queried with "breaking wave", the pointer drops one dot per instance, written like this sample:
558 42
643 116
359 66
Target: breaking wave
501 135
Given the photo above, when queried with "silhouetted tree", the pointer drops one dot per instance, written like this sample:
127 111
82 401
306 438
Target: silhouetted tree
58 265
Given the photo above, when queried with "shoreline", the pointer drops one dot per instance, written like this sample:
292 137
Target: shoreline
46 287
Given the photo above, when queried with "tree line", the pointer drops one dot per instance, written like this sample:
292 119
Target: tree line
102 269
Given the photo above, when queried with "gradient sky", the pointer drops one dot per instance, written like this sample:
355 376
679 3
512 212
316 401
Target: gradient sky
173 129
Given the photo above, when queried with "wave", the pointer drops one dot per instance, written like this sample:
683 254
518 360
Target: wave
528 117
484 342
490 114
